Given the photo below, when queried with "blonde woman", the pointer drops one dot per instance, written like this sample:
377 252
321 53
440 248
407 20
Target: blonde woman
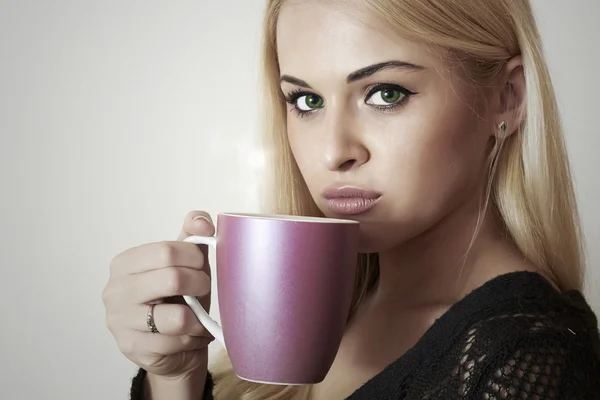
434 124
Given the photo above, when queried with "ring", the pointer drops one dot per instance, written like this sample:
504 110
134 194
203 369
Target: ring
150 319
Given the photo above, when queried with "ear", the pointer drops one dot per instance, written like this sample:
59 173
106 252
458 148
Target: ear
510 109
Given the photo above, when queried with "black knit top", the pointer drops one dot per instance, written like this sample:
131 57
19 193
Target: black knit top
515 337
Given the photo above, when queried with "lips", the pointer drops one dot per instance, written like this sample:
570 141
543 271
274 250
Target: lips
347 200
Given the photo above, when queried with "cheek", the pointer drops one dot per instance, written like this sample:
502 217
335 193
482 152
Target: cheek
447 165
435 173
437 165
305 152
449 159
299 148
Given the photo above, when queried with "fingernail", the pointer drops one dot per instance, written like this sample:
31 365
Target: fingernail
199 217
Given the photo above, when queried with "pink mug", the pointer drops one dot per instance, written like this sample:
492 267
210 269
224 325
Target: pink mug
285 287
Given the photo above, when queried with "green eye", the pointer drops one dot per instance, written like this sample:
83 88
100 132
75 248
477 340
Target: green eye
390 95
310 102
387 97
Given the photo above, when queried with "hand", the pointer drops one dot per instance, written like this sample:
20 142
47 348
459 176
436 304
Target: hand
161 273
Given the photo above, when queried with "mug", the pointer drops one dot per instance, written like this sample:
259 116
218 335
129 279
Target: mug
285 286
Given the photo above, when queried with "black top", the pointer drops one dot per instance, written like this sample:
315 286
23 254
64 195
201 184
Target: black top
515 337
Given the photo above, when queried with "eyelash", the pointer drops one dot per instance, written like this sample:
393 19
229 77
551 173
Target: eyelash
293 96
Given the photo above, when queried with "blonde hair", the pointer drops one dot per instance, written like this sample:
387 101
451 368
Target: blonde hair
530 183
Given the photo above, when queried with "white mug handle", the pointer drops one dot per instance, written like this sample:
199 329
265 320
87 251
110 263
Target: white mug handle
206 320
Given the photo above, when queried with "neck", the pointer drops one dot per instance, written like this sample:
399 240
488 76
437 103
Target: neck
444 264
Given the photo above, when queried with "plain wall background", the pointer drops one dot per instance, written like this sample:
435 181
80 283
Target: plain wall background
118 117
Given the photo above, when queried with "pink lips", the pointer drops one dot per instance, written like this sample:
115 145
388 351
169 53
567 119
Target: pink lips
350 200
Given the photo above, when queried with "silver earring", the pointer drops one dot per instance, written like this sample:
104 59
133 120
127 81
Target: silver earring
503 127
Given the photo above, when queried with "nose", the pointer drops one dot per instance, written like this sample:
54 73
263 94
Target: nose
343 149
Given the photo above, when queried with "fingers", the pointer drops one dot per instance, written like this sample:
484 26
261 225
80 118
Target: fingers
152 256
170 320
163 272
155 256
162 283
138 343
197 223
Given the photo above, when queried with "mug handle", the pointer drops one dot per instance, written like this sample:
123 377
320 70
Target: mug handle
205 319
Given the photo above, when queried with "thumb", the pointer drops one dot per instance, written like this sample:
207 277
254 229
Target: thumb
197 223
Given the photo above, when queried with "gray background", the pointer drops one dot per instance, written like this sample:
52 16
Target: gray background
117 117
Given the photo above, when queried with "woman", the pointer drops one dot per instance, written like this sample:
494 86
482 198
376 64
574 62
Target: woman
471 260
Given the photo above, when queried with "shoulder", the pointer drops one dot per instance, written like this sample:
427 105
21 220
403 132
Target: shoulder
534 343
531 355
514 337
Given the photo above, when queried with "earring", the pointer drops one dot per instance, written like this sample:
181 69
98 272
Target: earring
503 127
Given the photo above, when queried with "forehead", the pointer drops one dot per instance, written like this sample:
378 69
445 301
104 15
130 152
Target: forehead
322 36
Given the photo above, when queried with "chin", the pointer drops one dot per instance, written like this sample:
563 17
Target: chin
378 233
376 239
367 247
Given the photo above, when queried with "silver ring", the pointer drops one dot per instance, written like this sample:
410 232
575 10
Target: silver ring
150 319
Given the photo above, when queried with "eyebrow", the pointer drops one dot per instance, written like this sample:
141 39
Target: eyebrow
373 69
294 81
359 74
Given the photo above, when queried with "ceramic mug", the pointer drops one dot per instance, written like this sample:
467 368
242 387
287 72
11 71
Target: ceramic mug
285 286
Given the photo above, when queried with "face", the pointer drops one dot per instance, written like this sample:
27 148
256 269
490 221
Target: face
382 131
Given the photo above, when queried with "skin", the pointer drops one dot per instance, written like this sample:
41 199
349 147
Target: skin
427 159
176 359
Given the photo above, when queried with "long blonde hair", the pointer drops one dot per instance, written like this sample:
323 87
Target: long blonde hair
530 183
